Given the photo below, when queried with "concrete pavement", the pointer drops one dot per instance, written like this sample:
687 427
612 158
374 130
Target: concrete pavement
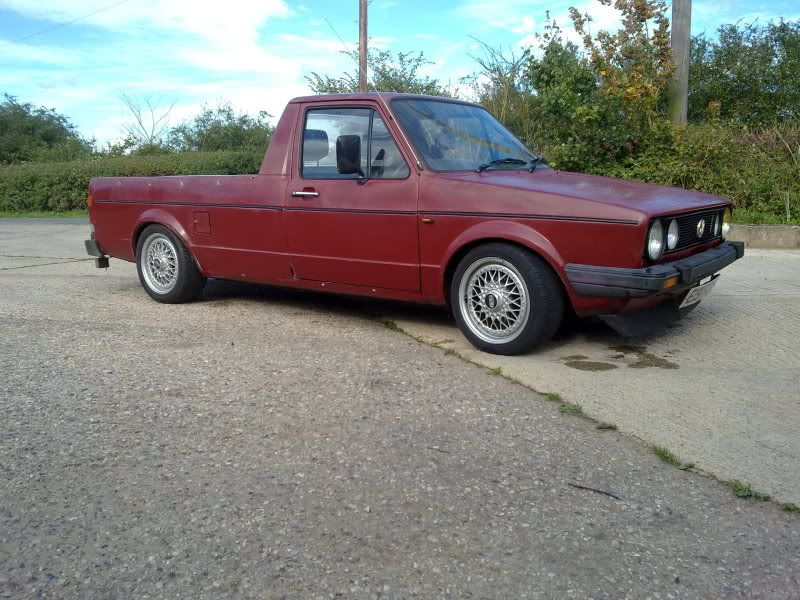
721 389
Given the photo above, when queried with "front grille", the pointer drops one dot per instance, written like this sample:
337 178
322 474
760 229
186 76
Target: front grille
687 227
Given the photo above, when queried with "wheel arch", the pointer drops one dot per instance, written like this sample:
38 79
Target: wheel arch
157 216
161 217
527 239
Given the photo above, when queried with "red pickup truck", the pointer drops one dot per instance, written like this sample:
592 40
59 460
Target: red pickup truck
429 200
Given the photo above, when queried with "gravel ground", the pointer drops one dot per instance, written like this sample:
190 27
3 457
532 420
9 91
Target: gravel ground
267 444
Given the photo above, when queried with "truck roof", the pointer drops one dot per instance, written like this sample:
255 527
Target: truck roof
372 96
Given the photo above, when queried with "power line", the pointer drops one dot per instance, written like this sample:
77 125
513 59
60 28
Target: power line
35 33
349 53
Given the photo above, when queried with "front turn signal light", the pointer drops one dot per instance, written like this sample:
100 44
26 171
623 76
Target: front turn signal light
670 282
89 200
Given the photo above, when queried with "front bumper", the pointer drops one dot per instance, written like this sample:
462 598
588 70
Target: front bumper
616 282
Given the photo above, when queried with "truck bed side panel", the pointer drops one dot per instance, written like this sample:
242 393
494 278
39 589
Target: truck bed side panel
233 225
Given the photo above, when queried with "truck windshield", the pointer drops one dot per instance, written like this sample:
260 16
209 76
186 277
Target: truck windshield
459 137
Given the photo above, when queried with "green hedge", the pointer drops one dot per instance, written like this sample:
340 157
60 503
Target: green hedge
63 186
758 170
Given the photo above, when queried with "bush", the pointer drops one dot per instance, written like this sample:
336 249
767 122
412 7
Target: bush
601 106
221 128
386 73
59 186
601 109
29 132
757 170
746 73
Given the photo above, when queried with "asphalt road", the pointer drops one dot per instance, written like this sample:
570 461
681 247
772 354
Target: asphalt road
268 444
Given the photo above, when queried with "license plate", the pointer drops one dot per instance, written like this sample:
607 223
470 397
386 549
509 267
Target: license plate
698 293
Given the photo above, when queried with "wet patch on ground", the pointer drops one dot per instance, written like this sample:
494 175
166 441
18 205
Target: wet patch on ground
590 365
635 357
644 359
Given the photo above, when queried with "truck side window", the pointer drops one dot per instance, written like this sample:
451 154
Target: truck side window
328 130
386 161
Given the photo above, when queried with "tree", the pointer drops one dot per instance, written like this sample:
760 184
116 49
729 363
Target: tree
390 73
29 133
634 65
749 74
221 128
501 88
146 133
602 104
565 88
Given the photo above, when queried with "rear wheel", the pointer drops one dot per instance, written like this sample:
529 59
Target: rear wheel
506 300
166 269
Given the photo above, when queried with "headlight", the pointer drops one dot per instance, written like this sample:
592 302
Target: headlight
672 235
726 223
655 240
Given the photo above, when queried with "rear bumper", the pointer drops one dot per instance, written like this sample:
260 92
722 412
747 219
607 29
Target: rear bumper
94 249
615 282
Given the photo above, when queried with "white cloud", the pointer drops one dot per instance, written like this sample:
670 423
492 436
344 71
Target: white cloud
193 52
205 18
512 16
529 41
520 17
295 41
528 24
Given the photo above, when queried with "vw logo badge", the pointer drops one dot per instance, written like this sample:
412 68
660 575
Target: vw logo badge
701 227
491 301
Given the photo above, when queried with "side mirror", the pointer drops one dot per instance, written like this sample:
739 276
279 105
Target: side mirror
348 155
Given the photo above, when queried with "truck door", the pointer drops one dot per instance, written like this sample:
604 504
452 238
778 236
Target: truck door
351 210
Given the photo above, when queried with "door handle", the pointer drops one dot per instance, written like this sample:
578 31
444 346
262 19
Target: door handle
305 194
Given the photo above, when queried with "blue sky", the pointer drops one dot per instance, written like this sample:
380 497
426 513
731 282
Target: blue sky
255 53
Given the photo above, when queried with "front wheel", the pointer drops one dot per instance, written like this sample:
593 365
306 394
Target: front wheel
166 269
505 299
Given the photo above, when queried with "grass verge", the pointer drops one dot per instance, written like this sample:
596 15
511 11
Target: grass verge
44 214
606 427
744 490
568 408
666 455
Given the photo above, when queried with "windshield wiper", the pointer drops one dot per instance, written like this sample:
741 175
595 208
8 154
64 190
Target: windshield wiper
502 161
536 162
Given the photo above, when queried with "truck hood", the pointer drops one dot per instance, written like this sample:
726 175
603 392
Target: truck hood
644 198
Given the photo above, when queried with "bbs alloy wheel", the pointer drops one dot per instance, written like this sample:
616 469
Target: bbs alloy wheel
494 298
160 260
505 299
166 269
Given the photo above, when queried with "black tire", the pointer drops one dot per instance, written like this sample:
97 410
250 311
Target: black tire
171 276
493 279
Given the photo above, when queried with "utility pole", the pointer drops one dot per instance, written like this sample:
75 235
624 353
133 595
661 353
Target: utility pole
362 46
679 86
